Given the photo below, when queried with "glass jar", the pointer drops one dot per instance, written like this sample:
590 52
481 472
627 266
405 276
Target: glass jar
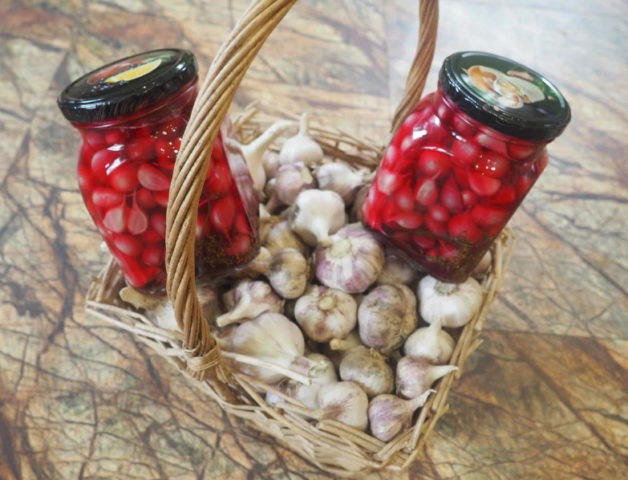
131 115
462 162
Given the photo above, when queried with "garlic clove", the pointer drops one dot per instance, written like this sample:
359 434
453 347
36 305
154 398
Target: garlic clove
301 147
453 304
344 402
431 342
350 261
368 369
415 375
390 415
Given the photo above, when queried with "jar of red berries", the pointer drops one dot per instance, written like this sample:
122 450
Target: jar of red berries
131 115
462 162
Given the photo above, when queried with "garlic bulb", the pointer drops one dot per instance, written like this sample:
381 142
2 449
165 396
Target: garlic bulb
453 304
280 236
290 180
337 348
289 273
390 415
316 214
386 316
415 375
250 298
268 340
270 162
431 343
266 221
325 313
368 369
325 373
301 147
342 179
344 402
254 151
351 261
396 271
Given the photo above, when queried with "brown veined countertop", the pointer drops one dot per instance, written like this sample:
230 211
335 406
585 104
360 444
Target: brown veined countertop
545 395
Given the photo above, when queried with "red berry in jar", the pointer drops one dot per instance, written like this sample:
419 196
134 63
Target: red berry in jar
462 161
131 115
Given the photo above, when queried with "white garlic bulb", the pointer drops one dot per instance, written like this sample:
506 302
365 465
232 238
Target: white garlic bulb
368 369
290 180
390 415
351 260
280 236
415 375
431 342
268 340
344 402
289 273
316 214
386 316
342 179
396 271
301 147
325 313
249 299
453 304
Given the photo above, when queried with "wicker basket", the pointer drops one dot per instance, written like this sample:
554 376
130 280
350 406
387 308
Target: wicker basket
333 446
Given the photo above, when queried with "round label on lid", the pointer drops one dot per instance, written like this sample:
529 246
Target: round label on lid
127 85
505 95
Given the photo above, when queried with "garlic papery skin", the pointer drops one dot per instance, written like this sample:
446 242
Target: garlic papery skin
337 348
389 415
270 161
301 147
344 402
268 340
431 343
396 271
415 375
254 151
280 236
250 299
325 313
342 179
316 214
386 316
289 273
351 261
453 304
290 180
368 369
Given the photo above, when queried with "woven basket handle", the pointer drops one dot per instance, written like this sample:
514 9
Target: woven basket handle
215 96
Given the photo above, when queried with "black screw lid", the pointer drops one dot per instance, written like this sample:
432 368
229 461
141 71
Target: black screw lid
127 85
504 95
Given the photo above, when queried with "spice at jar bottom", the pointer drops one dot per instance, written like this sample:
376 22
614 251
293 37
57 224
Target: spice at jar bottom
131 115
462 162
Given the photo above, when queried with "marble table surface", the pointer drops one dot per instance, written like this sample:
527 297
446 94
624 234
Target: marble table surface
544 397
